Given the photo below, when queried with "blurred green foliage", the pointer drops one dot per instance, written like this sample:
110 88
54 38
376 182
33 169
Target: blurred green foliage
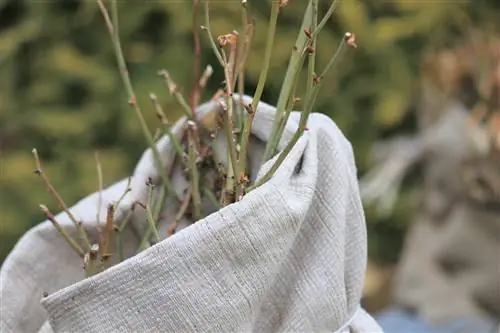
61 93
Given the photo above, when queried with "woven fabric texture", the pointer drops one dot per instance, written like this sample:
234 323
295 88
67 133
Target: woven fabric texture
289 257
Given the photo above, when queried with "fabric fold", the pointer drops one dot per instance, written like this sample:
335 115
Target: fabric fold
290 256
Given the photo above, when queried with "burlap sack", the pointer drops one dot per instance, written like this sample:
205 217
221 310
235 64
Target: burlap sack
290 256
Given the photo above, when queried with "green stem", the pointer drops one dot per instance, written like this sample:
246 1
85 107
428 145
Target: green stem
71 242
113 31
310 99
325 19
149 213
312 55
294 66
195 178
210 37
247 127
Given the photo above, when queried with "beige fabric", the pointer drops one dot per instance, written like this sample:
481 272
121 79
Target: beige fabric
290 256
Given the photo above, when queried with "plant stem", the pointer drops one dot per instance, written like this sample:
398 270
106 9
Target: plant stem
211 197
210 37
294 66
112 24
119 235
193 168
312 55
149 214
247 126
310 99
91 263
60 201
172 87
106 234
71 242
99 182
161 114
325 19
195 93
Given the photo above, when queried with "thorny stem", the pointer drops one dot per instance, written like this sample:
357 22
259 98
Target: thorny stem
193 168
60 201
112 24
71 242
294 67
99 182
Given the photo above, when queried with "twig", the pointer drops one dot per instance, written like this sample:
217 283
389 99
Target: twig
182 210
112 25
99 197
174 91
319 80
193 169
119 230
106 234
161 115
127 189
71 242
60 201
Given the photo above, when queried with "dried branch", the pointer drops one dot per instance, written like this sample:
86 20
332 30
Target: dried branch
71 242
106 234
60 201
